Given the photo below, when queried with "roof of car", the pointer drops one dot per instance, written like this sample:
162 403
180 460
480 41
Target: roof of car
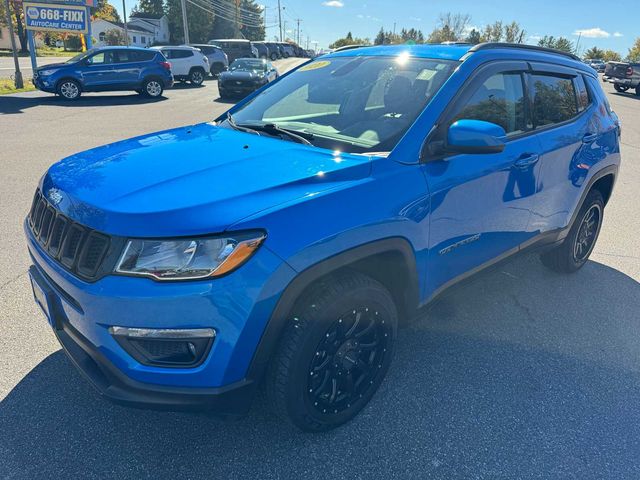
118 47
452 51
180 47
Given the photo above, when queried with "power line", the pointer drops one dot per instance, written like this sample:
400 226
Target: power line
217 13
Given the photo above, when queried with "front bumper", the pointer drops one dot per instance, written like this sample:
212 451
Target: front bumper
236 306
234 89
46 84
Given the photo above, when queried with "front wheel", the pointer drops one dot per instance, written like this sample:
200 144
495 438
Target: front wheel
638 90
334 353
69 89
152 88
574 251
620 88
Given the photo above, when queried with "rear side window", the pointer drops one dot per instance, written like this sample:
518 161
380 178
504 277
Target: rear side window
126 56
583 94
554 99
175 53
500 100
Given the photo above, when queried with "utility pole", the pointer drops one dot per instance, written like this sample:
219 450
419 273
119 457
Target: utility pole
18 75
284 25
298 21
280 19
124 16
185 22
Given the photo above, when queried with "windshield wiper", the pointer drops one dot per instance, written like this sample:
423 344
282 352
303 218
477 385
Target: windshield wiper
273 128
241 128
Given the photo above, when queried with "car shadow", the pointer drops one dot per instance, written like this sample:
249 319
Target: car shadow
187 86
627 94
13 104
521 373
227 100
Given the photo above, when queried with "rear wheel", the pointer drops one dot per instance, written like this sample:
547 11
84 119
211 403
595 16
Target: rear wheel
638 90
620 88
334 353
216 68
196 76
69 89
574 251
152 88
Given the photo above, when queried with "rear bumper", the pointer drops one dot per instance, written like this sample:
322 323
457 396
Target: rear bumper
619 81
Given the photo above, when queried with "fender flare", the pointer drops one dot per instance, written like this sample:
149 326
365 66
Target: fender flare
278 319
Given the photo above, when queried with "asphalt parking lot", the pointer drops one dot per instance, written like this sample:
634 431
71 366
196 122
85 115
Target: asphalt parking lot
520 373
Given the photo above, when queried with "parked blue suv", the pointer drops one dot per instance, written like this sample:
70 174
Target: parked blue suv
107 69
285 242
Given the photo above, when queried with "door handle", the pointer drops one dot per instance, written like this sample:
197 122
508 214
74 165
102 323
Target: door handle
589 138
526 160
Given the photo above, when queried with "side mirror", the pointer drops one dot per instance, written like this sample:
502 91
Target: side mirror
475 136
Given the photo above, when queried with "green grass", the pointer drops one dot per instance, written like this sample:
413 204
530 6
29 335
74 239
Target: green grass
8 86
42 52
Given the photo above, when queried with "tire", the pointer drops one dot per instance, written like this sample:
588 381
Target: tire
152 88
323 348
638 90
274 57
620 88
196 76
69 89
216 68
285 55
574 251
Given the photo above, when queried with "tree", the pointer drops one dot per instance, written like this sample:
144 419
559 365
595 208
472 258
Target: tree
250 23
559 43
493 32
200 22
380 37
474 37
412 35
594 53
450 28
514 33
114 36
106 11
634 51
17 17
349 40
611 56
153 7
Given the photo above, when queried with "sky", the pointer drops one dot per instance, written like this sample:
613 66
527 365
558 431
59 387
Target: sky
607 26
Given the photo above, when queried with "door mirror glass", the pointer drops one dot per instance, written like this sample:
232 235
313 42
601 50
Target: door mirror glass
475 136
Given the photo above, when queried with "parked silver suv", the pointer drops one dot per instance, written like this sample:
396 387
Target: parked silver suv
218 60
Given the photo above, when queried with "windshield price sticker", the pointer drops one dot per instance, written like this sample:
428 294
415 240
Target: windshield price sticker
315 66
56 18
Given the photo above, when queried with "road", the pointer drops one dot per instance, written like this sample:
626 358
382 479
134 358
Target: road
521 373
7 68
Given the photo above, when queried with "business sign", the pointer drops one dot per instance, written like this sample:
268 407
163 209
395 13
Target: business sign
56 18
82 3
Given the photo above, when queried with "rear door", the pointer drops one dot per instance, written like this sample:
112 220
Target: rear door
126 67
562 115
481 203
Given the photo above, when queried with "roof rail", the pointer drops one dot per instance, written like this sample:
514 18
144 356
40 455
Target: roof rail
535 48
349 47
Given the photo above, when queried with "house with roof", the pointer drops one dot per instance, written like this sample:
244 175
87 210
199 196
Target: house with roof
144 29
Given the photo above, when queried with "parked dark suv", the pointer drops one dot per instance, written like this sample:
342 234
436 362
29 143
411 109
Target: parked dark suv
107 69
285 242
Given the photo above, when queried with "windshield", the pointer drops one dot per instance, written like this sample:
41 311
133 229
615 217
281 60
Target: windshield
80 56
353 104
247 64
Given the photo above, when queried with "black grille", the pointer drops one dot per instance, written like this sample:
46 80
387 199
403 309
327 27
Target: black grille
79 249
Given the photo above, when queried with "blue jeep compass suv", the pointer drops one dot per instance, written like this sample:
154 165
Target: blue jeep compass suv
285 242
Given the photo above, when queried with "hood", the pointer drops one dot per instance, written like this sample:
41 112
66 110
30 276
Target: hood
54 65
239 75
191 180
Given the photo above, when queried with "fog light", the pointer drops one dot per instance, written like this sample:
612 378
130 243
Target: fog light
186 347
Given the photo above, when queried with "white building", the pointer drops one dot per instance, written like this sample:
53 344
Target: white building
5 39
144 30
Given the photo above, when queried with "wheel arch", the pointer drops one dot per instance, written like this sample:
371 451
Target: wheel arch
390 261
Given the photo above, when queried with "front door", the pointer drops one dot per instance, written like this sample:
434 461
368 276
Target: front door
98 70
481 203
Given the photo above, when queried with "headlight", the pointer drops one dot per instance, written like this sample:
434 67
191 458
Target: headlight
188 259
46 72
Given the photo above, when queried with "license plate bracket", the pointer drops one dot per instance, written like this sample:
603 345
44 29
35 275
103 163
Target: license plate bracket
43 297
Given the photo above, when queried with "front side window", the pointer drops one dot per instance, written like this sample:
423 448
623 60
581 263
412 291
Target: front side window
554 99
500 100
355 104
101 58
